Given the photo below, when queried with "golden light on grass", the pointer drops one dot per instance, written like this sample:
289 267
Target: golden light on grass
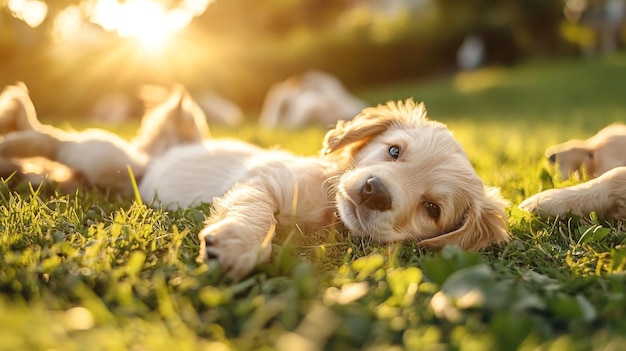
475 81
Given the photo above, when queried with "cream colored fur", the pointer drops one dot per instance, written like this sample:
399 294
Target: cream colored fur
254 190
100 157
600 158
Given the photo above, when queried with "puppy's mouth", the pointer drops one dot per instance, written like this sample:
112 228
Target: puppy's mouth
350 215
362 219
350 210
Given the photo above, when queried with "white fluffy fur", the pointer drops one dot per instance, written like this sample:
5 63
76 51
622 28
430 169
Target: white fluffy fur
253 190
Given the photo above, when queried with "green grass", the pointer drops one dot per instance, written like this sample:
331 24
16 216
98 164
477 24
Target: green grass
92 271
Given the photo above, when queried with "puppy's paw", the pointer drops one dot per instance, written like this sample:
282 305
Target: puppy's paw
546 204
236 246
530 204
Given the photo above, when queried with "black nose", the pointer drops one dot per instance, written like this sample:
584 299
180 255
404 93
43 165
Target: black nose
552 158
374 195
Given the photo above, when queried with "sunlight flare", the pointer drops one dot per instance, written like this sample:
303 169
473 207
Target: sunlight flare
150 22
32 12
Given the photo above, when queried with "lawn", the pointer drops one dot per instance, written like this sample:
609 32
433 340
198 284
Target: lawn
91 271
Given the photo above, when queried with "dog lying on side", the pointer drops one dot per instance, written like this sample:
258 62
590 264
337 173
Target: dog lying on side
96 157
602 159
391 174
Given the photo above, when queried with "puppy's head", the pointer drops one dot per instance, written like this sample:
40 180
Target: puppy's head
570 158
410 179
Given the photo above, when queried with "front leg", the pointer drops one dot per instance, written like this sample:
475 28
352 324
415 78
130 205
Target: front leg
606 195
239 230
237 246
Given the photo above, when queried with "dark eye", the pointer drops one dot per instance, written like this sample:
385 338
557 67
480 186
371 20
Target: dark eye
433 210
394 151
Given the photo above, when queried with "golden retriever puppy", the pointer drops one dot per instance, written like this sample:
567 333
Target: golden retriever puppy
605 195
98 156
596 155
390 174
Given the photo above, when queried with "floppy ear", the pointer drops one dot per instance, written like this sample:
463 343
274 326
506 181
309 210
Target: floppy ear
484 224
371 122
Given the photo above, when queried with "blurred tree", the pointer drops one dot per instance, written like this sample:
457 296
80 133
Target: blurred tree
536 24
272 17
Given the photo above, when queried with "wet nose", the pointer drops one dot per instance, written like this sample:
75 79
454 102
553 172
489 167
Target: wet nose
374 195
552 158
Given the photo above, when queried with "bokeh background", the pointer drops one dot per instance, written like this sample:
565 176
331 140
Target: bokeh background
74 53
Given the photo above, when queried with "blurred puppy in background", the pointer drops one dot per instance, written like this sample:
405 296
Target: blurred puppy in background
314 97
17 113
96 157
